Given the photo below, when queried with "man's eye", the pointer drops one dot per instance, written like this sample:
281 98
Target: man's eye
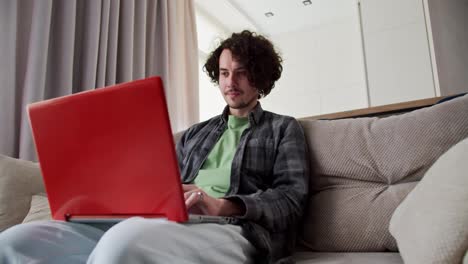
225 74
242 73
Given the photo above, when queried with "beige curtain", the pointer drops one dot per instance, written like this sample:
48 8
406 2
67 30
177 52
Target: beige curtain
52 48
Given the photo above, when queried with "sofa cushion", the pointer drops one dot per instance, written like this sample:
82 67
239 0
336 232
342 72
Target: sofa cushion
19 180
363 168
39 210
431 224
347 258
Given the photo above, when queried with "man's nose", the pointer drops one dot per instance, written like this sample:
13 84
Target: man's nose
231 80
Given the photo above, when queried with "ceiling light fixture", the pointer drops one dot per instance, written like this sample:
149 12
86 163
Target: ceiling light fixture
307 2
269 14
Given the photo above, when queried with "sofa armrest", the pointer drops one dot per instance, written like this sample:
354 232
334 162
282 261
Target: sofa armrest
19 181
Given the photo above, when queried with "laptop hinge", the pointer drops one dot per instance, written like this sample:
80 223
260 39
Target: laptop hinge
110 218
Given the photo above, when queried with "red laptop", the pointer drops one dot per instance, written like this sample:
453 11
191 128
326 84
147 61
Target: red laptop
109 153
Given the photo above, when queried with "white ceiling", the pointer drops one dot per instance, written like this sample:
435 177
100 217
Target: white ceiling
289 15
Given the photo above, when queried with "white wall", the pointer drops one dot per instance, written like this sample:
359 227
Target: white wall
323 68
210 32
211 100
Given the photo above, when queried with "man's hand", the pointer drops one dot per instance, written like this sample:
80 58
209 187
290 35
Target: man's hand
197 201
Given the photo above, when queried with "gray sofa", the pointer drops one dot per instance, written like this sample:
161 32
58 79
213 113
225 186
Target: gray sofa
382 189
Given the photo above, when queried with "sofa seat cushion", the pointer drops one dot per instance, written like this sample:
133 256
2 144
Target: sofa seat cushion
363 168
347 258
19 181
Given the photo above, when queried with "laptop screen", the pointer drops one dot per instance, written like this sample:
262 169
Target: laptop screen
109 151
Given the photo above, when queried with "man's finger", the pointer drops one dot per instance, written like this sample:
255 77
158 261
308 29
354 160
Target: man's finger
187 194
189 187
190 199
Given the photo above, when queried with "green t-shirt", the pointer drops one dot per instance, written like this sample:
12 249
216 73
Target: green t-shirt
215 175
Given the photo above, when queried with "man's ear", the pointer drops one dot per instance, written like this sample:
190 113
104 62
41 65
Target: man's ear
259 93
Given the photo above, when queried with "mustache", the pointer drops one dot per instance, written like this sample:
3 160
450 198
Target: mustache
232 91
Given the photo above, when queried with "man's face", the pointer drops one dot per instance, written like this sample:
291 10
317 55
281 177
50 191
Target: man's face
234 85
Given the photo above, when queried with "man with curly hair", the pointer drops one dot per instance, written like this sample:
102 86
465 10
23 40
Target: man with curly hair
245 163
252 162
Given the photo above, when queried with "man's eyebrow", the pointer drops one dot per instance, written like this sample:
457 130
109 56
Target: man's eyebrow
241 68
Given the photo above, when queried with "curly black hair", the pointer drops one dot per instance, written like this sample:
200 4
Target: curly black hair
262 62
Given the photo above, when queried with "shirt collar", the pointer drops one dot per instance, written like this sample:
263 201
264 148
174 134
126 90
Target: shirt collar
254 115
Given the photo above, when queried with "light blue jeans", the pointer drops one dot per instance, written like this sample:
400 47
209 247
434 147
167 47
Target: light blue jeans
135 240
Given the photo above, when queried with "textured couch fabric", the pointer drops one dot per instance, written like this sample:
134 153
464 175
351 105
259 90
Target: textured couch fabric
363 168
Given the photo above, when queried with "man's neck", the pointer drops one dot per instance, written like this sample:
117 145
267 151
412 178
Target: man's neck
243 112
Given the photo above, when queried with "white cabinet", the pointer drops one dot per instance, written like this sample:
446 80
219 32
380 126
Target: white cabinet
408 44
396 51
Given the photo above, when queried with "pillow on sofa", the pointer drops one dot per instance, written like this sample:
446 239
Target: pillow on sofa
19 180
363 168
39 210
431 224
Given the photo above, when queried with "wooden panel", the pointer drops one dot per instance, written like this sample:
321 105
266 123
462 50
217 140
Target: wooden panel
379 110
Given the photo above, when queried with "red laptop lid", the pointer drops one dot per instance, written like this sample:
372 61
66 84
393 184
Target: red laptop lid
109 151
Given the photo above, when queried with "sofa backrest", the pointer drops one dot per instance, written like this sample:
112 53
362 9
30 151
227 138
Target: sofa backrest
363 168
